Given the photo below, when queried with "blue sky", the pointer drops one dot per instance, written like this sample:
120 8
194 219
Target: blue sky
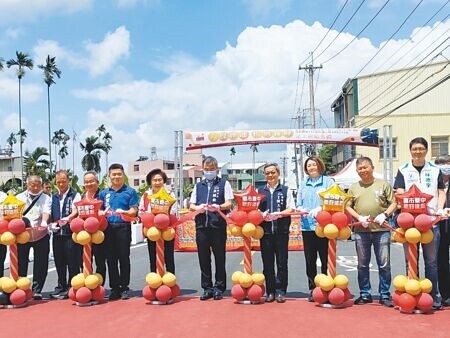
145 68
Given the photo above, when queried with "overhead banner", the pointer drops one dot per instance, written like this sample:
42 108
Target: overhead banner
353 136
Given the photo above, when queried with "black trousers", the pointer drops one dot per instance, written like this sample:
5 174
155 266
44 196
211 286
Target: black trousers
274 247
313 245
68 258
99 253
117 242
168 255
210 239
2 259
443 261
41 249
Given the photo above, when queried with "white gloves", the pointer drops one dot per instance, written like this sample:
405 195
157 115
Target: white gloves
441 212
44 224
364 221
120 210
301 209
380 218
201 208
313 213
213 207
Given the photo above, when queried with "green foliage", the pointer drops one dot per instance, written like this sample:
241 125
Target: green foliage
326 154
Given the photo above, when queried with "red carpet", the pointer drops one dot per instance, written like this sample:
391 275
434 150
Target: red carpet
189 316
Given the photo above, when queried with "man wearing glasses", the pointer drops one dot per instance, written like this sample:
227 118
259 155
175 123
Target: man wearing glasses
428 178
276 206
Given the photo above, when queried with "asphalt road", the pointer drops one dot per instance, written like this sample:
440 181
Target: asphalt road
188 272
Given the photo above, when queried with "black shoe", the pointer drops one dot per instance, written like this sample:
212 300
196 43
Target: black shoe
446 302
437 306
115 295
37 296
218 295
386 302
56 292
270 297
363 300
61 295
124 295
281 298
310 299
207 295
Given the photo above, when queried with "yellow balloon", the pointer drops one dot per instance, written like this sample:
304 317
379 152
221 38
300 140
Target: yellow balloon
23 237
235 277
77 281
341 281
100 278
98 237
153 234
258 278
331 231
345 233
245 280
399 282
1 281
412 286
74 237
259 232
426 237
318 278
236 231
23 283
425 285
83 237
413 235
399 235
326 283
8 238
248 230
154 280
91 282
168 234
9 285
319 231
169 279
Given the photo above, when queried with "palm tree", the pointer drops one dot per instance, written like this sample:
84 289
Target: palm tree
50 70
106 139
1 63
35 164
11 140
23 61
60 137
92 148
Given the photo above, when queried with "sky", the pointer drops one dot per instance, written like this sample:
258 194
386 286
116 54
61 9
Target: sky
145 68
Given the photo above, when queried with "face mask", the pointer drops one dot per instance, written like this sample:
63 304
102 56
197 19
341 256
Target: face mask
445 169
210 175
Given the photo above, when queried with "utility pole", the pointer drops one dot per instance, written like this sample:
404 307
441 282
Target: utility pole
283 163
310 70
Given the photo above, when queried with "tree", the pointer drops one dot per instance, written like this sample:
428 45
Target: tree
92 148
23 61
36 163
1 63
11 140
60 137
106 138
326 154
50 70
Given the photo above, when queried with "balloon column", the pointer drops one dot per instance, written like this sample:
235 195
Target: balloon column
14 290
332 290
158 226
248 286
87 229
411 293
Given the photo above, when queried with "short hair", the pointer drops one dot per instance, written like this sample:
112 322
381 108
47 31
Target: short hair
46 182
361 159
319 162
418 140
115 166
91 172
62 172
34 178
442 159
272 164
210 160
154 172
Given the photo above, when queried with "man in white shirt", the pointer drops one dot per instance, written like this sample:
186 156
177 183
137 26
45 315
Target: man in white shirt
37 213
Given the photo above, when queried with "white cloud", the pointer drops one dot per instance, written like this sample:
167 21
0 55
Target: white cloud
8 89
14 33
262 8
14 11
133 3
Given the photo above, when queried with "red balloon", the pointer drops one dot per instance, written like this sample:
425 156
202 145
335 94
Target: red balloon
16 226
103 223
163 293
347 294
162 221
336 296
396 296
149 293
147 219
424 302
255 217
323 218
72 294
3 226
18 297
254 293
407 302
339 219
98 294
320 296
91 225
83 295
238 292
405 220
239 217
29 294
423 222
173 219
77 224
175 290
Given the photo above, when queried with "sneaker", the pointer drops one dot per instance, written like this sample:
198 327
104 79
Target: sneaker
56 292
115 295
124 295
437 306
446 302
281 298
37 296
218 295
64 294
270 297
363 300
386 302
207 294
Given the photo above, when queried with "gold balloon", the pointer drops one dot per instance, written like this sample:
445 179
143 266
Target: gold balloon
334 199
161 202
11 208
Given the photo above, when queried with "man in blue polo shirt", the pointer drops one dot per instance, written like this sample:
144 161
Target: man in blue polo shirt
123 201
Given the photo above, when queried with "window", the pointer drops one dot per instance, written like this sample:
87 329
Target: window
394 148
136 182
136 167
439 145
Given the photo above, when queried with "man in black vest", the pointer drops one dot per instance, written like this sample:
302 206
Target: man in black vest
67 254
276 206
210 195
